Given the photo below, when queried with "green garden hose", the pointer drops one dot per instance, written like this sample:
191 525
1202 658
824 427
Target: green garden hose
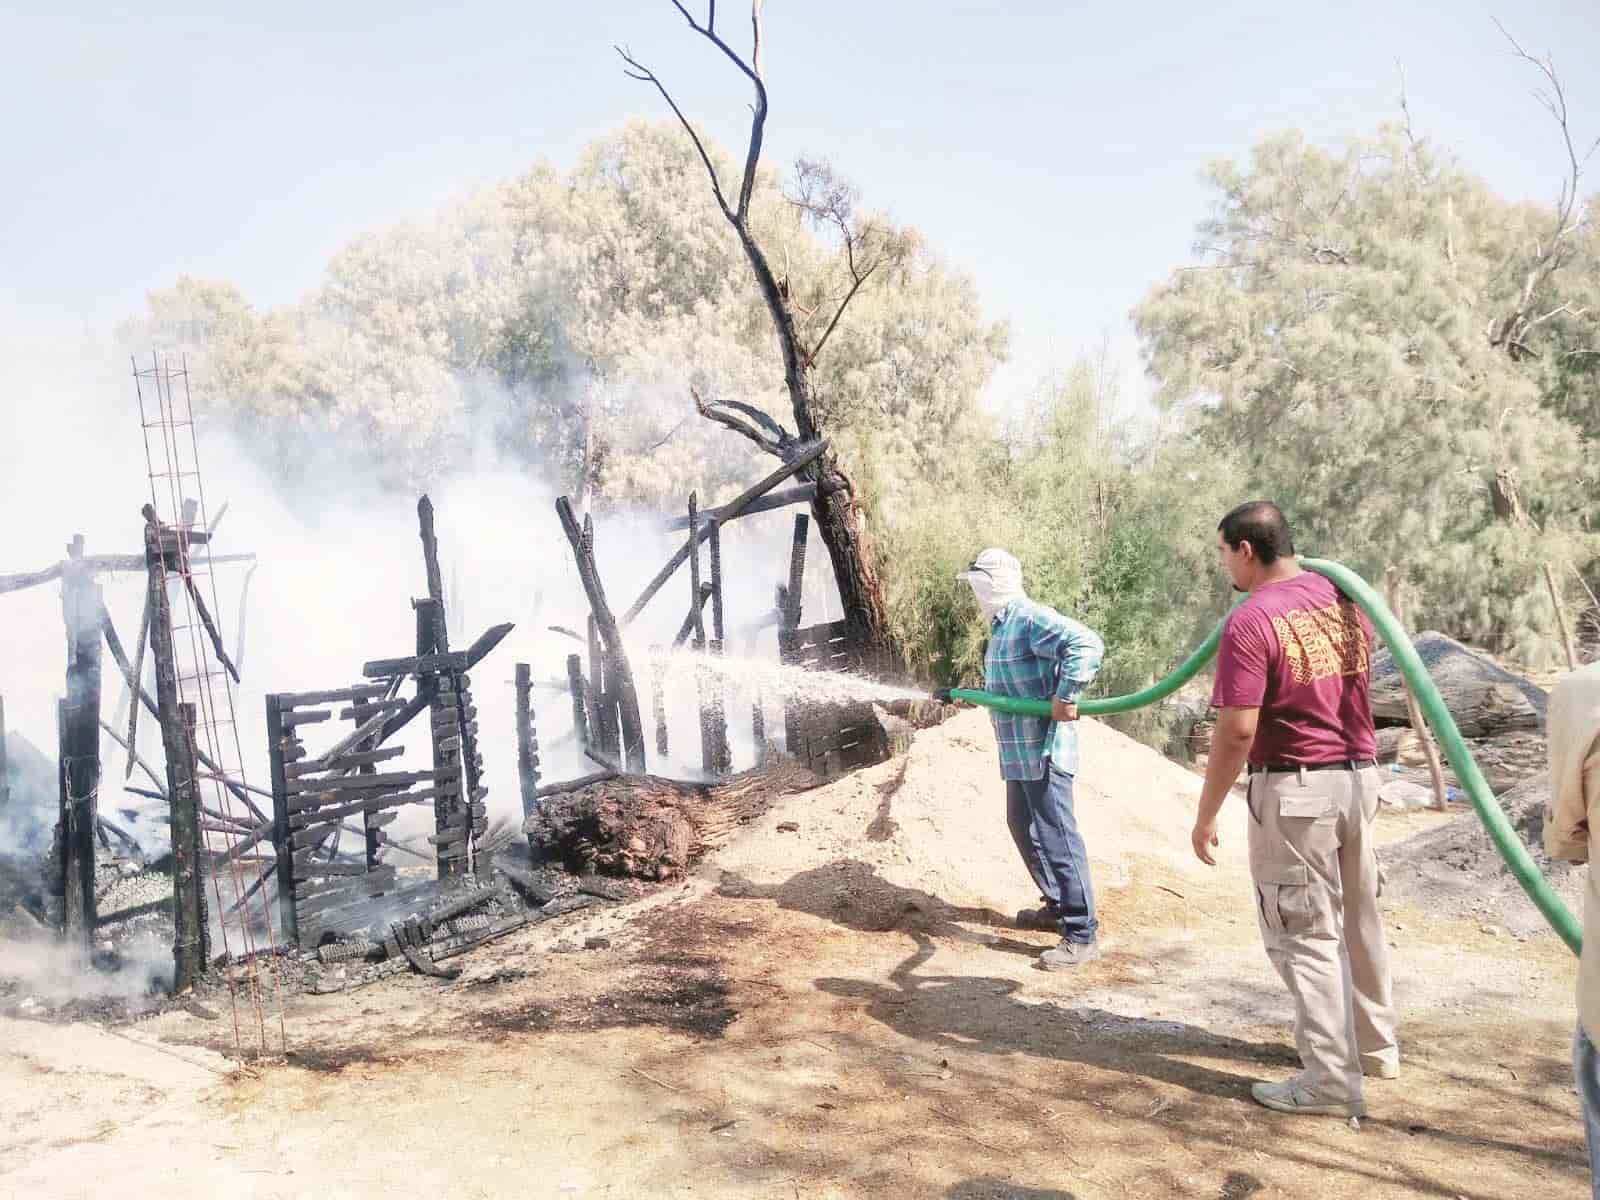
1416 675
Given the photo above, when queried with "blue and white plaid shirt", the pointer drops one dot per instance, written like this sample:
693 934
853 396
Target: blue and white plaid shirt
1037 653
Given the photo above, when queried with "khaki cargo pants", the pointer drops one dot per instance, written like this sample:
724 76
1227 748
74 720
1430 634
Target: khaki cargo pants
1317 883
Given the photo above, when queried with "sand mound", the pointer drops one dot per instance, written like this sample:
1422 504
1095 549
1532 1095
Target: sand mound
927 832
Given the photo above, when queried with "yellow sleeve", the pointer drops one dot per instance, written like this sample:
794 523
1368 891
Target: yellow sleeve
1573 729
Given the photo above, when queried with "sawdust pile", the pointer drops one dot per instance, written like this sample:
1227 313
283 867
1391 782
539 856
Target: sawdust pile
926 833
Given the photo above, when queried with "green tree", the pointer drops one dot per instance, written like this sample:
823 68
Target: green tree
1342 337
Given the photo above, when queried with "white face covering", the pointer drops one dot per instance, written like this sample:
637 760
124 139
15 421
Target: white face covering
996 583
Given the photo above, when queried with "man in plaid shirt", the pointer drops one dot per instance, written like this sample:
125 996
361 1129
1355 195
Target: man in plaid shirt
1037 653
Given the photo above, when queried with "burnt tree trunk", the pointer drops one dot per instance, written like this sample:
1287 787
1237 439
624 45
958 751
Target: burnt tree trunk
654 828
841 523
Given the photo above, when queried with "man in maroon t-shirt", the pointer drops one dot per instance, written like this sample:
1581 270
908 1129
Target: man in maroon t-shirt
1292 697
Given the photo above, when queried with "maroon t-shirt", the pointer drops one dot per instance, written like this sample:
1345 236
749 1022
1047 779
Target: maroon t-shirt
1299 651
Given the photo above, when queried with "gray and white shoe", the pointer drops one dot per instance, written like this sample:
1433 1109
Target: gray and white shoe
1065 954
1376 1066
1293 1096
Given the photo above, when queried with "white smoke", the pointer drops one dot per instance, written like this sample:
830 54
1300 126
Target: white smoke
339 558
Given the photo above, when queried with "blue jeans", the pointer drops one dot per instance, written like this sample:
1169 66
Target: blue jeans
1586 1066
1039 814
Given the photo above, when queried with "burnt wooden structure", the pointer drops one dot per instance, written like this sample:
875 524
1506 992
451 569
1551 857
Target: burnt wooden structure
828 738
313 795
316 796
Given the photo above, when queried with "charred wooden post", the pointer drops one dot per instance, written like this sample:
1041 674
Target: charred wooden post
439 641
789 605
621 682
79 723
716 710
527 748
191 939
471 814
702 684
372 822
580 705
189 945
658 697
603 718
276 748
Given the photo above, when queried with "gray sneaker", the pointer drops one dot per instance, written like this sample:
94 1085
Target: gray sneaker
1292 1096
1066 954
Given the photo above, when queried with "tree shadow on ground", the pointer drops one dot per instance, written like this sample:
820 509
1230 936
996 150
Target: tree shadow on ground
979 1013
984 1014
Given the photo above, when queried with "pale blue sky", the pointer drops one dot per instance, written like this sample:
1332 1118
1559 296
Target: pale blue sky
1050 150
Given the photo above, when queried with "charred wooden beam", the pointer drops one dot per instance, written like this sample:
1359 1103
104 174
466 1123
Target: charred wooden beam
527 743
730 510
287 915
572 785
210 626
153 707
418 664
802 494
617 656
689 621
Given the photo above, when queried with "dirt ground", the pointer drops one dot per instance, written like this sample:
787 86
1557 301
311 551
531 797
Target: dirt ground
843 1011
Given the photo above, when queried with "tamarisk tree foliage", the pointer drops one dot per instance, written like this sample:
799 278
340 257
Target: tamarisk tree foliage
1398 356
561 319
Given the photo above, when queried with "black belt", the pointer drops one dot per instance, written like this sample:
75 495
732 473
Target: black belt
1344 764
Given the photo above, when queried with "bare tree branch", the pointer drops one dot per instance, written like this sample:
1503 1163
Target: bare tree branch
645 75
855 286
1547 259
717 411
670 435
758 111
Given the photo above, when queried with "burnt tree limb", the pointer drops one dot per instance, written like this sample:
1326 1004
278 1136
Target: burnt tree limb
621 683
650 827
